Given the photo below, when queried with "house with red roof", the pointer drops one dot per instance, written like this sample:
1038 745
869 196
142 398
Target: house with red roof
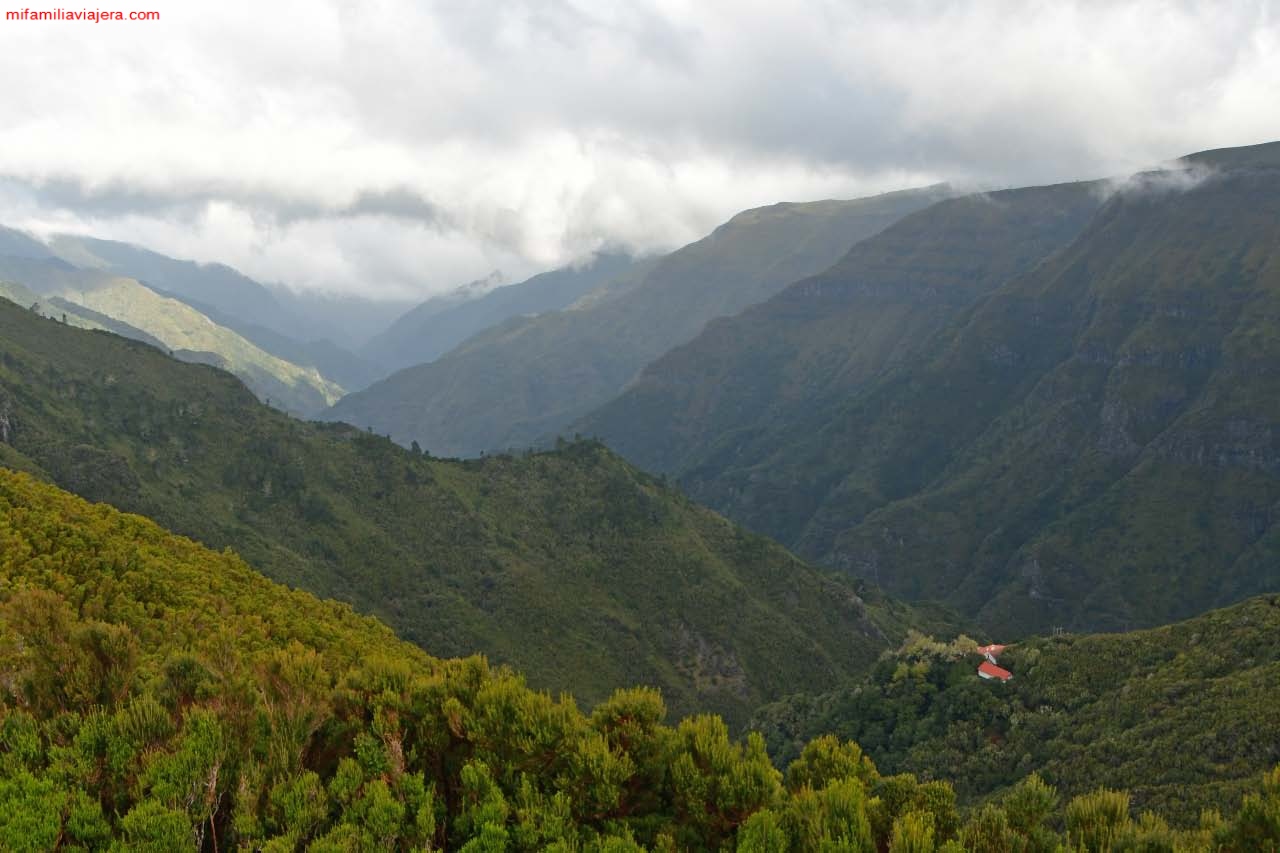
991 652
990 671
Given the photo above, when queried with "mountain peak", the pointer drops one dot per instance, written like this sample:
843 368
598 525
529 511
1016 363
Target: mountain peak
1265 155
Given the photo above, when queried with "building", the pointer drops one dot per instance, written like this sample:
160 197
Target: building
991 652
989 670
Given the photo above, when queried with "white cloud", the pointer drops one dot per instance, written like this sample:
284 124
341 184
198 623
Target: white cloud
395 146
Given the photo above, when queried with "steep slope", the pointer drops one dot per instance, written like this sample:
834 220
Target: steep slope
772 375
160 696
573 565
1184 716
179 327
526 379
431 329
1121 469
266 317
56 308
1091 444
216 285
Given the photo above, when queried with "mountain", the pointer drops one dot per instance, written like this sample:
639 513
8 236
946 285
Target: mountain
216 285
572 565
516 384
271 318
1085 439
333 362
161 696
57 308
18 244
773 374
1183 716
431 329
99 297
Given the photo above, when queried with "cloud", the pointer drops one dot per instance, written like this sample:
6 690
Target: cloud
1177 178
398 146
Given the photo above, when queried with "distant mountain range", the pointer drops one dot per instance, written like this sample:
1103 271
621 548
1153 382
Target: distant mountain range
431 329
528 378
1047 407
308 329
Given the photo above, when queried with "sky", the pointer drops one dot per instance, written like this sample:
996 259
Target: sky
399 148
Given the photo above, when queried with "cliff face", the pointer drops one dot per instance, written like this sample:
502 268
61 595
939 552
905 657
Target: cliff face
1090 441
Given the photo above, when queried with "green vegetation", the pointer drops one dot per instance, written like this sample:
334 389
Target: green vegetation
294 327
159 696
1184 716
520 382
184 329
1040 411
583 572
59 309
95 299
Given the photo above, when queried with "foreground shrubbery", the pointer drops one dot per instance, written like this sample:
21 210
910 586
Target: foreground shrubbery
155 695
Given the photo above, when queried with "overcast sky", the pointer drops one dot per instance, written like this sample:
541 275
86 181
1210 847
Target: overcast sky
404 146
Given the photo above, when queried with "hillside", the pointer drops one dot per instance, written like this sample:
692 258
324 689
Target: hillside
1089 444
56 308
271 318
751 383
191 335
431 329
216 285
572 565
530 378
161 696
1183 716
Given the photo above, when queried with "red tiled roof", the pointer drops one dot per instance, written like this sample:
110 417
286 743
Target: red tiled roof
990 670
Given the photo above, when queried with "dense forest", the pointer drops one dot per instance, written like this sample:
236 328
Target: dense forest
161 696
570 564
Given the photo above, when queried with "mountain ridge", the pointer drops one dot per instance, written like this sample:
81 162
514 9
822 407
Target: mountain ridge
526 380
438 325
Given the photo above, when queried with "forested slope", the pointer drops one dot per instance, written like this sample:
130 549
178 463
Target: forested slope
1184 716
571 564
